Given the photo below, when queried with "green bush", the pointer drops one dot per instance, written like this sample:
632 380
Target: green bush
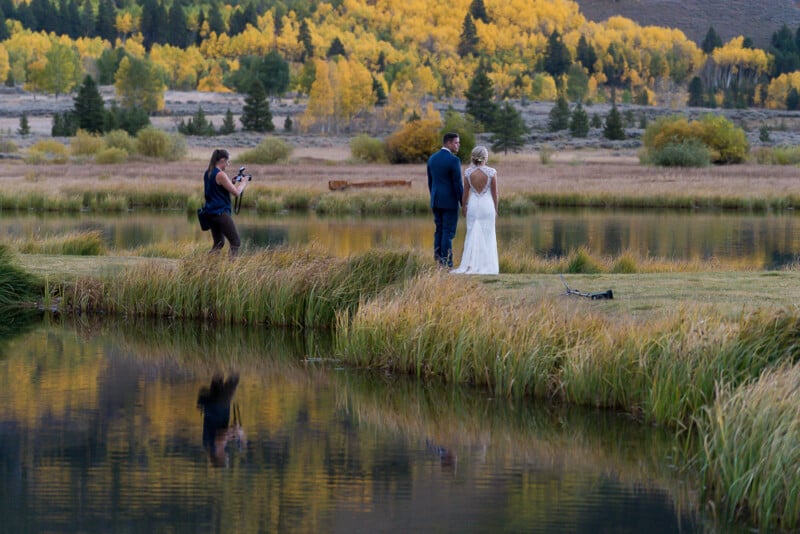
782 155
414 142
86 144
7 146
120 139
155 143
728 142
725 142
111 155
687 153
367 149
269 150
47 151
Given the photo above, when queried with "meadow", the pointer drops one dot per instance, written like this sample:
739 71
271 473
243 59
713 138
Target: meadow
705 349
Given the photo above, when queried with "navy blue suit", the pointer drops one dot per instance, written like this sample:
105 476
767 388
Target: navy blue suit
446 187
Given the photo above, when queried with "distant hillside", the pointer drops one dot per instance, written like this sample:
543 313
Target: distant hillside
757 19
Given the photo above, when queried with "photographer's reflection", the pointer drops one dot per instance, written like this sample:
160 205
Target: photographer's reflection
215 403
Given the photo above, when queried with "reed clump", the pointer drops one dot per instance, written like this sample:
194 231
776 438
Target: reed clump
86 243
291 286
665 370
17 286
518 258
751 450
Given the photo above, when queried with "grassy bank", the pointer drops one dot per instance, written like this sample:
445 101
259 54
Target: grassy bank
399 202
686 350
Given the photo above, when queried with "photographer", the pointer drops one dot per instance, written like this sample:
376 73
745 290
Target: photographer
217 208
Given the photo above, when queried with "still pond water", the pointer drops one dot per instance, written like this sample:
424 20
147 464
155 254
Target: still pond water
100 431
760 240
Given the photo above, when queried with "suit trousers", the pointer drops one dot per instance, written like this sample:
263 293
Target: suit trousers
446 221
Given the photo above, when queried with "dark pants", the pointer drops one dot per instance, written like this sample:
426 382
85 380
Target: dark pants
446 221
222 227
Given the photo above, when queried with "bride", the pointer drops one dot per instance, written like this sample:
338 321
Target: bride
479 204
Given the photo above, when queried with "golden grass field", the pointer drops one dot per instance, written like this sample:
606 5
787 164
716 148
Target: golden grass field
613 173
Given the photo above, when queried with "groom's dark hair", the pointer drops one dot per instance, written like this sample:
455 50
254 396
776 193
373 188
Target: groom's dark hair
449 136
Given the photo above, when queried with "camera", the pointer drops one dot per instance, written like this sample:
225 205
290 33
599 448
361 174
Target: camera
242 176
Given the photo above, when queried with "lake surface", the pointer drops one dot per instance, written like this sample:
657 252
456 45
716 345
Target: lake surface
100 431
760 240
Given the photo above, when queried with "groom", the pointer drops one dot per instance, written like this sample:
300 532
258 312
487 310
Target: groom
446 188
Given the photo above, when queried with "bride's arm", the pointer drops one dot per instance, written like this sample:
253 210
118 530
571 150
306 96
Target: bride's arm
465 197
493 189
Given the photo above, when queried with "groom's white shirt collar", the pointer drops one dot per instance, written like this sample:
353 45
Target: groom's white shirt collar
445 148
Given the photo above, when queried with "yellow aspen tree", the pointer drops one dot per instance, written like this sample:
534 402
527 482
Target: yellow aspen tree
736 63
320 108
4 65
91 48
779 88
352 84
212 82
25 48
126 24
288 42
251 41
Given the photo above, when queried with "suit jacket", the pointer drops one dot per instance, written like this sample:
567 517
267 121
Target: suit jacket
444 180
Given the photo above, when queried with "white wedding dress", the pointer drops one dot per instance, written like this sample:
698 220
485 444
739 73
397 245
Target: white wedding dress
480 245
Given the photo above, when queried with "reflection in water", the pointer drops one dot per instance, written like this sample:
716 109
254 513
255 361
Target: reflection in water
761 240
214 401
99 433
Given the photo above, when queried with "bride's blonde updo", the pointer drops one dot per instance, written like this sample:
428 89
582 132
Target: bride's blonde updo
479 155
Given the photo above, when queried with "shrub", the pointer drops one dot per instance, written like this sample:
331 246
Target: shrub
120 139
7 146
728 142
725 142
581 262
269 150
414 142
47 151
546 154
155 143
86 144
111 155
782 155
368 149
687 153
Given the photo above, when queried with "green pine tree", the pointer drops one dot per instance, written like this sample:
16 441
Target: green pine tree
89 107
696 92
510 130
287 124
256 115
24 127
480 98
613 127
559 115
468 42
711 41
478 11
228 123
557 57
579 122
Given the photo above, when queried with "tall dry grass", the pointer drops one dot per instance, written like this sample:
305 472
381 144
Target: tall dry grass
750 460
665 369
293 286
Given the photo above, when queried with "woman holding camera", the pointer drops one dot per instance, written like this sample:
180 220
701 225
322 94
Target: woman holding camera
218 190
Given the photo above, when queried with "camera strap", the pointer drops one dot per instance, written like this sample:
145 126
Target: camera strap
237 203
